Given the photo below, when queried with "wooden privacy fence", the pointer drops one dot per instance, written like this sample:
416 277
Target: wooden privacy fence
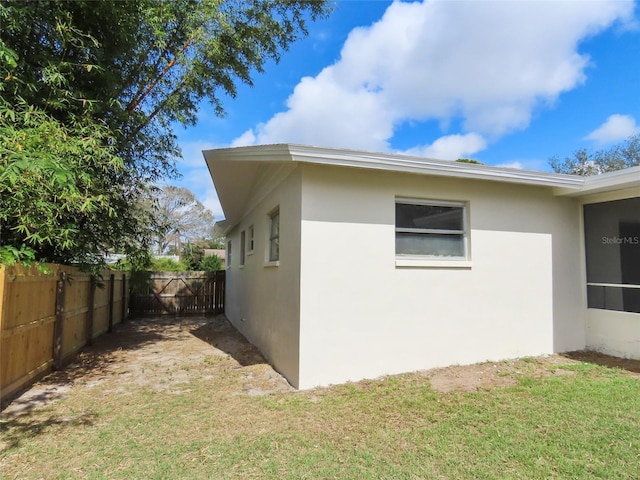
45 318
177 293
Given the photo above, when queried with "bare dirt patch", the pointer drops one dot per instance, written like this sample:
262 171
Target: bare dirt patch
163 354
484 376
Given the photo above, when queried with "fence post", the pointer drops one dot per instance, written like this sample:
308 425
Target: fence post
124 297
90 309
59 322
112 279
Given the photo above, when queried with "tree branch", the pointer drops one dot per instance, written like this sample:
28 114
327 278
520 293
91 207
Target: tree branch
137 101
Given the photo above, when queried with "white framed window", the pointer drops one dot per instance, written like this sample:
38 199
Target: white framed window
228 259
431 229
250 240
243 247
274 236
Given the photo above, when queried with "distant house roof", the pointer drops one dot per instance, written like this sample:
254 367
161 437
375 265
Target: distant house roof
236 170
220 253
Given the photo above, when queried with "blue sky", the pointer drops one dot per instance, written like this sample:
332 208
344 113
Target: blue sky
506 83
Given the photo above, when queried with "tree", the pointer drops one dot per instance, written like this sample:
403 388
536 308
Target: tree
469 160
182 219
57 198
111 79
211 263
583 162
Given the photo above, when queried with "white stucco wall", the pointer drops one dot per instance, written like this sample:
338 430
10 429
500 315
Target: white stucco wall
361 316
263 300
614 333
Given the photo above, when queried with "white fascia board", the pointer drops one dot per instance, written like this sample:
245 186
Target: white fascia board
391 162
258 153
427 166
606 182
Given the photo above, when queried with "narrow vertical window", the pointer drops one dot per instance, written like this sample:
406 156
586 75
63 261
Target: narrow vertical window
228 259
274 236
243 247
250 240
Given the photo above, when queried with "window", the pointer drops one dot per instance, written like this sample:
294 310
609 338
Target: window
612 248
242 247
228 259
274 236
431 229
250 240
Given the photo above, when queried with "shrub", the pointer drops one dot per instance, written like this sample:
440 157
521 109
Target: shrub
167 265
211 263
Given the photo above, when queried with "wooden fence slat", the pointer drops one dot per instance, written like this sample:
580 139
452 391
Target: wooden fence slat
46 318
123 297
179 293
91 300
112 278
59 323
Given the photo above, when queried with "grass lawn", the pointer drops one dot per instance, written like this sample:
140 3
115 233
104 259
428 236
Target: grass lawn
570 420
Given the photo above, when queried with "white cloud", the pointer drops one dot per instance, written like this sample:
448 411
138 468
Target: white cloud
515 164
192 153
451 147
247 138
615 129
196 176
487 64
539 164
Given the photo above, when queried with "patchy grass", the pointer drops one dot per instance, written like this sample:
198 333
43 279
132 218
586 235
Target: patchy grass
551 419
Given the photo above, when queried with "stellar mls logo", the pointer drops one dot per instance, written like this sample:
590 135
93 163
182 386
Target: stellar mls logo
621 240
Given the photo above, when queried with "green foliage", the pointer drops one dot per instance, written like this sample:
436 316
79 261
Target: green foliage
89 92
211 263
192 255
167 265
586 163
469 160
216 243
10 255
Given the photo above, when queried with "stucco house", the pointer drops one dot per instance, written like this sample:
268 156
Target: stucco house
344 265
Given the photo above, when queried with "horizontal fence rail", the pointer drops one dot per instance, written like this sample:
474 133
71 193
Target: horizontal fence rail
177 293
46 318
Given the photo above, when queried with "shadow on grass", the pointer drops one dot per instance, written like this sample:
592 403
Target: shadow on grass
22 427
603 360
219 333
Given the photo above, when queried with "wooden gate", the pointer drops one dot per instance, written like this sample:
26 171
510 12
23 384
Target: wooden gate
177 293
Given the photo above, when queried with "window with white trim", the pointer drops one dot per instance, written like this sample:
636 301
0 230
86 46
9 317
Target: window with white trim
243 247
432 229
274 236
250 241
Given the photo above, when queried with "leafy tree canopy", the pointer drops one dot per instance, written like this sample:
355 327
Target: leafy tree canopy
90 92
182 219
583 162
469 160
